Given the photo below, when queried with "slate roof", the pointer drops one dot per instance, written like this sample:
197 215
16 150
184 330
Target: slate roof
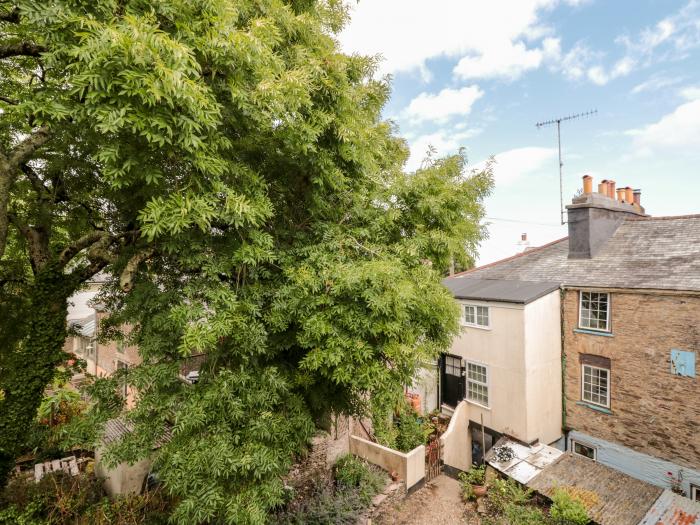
617 499
644 253
520 292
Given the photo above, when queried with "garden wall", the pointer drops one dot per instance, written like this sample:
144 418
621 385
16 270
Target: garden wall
456 442
410 466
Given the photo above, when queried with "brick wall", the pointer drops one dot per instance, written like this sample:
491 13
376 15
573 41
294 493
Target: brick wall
653 411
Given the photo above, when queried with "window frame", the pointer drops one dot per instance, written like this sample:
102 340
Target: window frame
695 492
607 329
575 442
475 308
486 384
607 390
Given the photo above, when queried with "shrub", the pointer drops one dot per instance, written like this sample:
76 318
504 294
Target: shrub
505 492
524 515
567 510
326 506
353 473
60 499
467 491
474 476
411 432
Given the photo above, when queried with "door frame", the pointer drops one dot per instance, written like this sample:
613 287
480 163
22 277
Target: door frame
462 385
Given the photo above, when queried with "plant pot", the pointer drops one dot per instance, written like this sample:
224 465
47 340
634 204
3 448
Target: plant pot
479 490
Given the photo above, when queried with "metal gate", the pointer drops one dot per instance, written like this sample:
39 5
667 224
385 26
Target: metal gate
433 458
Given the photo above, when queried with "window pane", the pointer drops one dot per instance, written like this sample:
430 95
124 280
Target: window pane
583 450
469 316
595 383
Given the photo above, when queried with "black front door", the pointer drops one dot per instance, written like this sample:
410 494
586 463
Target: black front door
452 380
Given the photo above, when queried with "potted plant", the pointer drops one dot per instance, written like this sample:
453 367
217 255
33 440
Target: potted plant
476 478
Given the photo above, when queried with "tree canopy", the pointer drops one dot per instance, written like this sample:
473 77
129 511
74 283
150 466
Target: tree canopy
231 171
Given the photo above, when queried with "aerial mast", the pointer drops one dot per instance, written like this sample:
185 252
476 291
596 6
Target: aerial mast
558 122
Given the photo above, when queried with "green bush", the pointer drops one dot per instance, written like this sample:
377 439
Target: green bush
353 473
474 476
524 515
506 492
326 506
467 491
60 499
566 510
411 432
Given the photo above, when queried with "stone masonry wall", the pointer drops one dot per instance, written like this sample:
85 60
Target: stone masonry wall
653 411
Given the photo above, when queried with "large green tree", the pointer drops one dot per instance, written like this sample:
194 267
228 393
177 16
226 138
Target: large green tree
230 168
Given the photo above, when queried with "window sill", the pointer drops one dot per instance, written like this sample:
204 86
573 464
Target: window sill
592 332
484 407
594 407
465 325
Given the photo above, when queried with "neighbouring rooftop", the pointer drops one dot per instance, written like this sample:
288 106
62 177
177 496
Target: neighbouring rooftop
617 499
643 253
500 290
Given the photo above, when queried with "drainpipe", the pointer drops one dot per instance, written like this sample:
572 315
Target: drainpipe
562 295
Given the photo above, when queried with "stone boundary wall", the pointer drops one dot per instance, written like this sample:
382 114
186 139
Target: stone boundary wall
410 466
384 502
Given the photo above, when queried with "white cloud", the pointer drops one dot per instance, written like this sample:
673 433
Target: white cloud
690 92
679 129
507 61
444 142
407 33
516 163
668 39
443 105
656 82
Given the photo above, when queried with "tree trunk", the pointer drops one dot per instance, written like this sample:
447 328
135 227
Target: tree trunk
28 365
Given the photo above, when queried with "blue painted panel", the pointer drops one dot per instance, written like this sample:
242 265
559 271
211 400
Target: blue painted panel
641 466
683 363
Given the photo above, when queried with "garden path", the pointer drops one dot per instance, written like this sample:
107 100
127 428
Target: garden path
438 503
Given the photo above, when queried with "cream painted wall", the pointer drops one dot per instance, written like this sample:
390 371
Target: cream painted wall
502 348
522 351
543 370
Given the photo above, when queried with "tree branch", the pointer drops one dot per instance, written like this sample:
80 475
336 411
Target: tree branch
8 100
14 49
28 146
127 277
11 17
83 242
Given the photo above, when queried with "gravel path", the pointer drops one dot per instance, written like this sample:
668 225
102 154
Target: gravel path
438 503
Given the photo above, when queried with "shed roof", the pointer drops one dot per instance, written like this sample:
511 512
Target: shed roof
643 253
672 509
116 429
501 290
621 499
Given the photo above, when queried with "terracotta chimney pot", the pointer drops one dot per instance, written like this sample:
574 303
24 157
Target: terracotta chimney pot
587 184
629 199
603 187
611 189
621 194
637 195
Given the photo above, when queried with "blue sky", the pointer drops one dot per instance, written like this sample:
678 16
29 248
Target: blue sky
480 74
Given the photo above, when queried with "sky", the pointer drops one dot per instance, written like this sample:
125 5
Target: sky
480 74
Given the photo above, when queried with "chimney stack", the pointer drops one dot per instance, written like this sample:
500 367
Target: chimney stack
637 195
594 217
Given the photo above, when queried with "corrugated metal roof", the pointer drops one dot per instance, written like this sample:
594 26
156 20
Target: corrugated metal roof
86 327
619 499
499 290
650 253
116 429
672 509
